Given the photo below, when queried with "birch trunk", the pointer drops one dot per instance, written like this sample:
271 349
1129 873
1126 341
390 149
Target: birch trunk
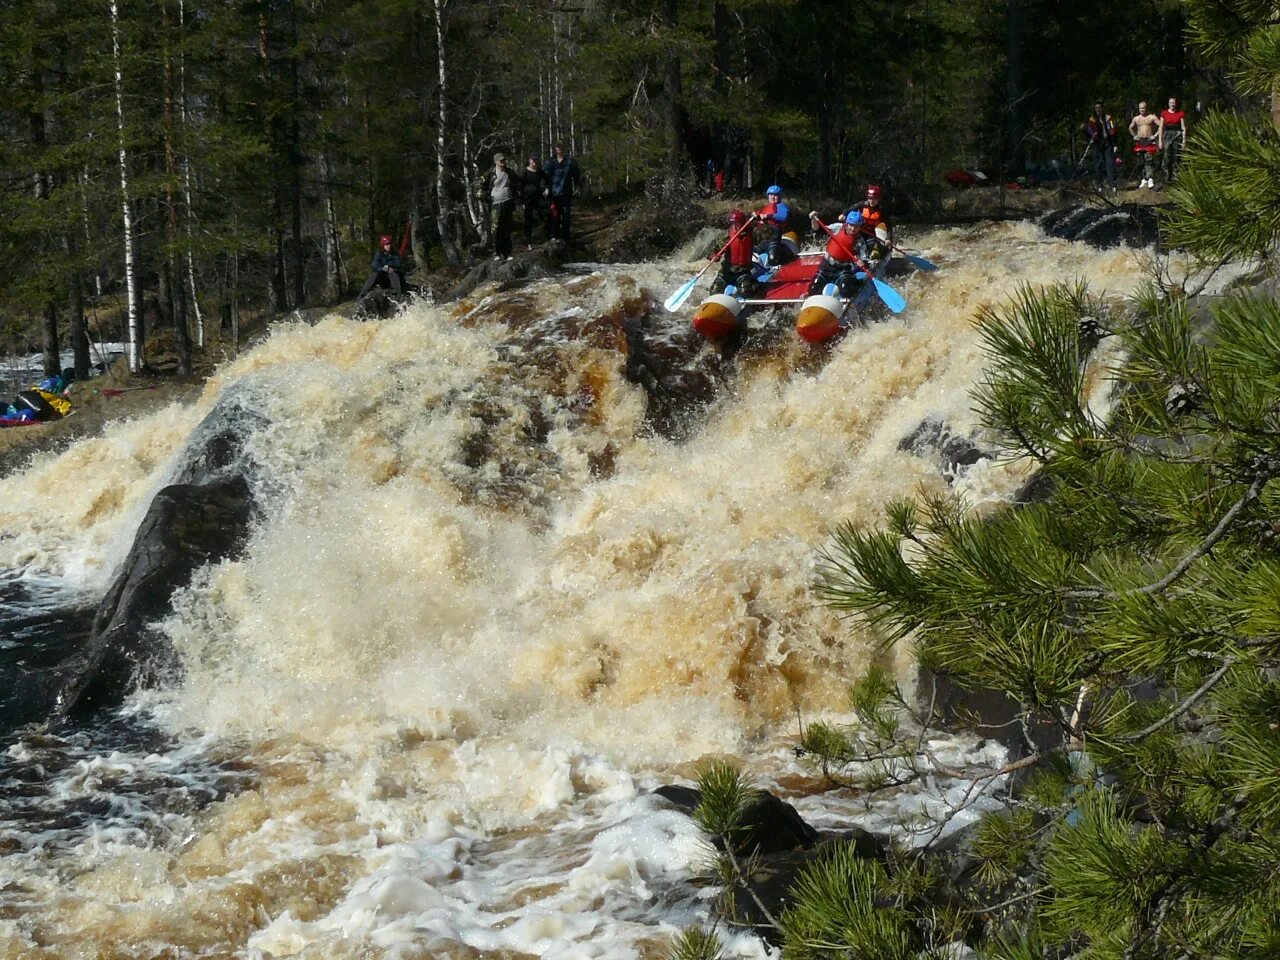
442 196
186 173
130 278
470 180
335 281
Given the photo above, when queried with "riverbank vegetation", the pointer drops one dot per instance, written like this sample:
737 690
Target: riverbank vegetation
187 163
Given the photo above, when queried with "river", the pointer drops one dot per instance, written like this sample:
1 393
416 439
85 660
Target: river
490 602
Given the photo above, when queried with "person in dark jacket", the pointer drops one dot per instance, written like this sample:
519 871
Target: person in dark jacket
1100 132
533 191
563 176
384 262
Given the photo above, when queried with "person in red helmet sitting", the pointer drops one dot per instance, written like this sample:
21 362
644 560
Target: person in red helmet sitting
387 262
873 230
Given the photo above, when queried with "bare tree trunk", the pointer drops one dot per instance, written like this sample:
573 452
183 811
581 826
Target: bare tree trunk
470 184
186 173
76 328
88 236
672 84
421 252
173 227
295 162
130 279
334 280
442 195
277 287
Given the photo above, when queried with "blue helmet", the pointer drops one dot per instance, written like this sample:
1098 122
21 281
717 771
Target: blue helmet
854 218
774 189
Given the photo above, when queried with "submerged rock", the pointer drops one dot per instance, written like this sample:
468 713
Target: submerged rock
934 440
1131 224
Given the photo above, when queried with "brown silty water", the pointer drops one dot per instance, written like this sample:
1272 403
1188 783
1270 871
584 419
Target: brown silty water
491 603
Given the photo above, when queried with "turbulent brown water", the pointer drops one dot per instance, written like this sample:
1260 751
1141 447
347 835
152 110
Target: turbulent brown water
489 607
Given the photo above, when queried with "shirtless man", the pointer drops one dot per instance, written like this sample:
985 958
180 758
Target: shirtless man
1145 128
1171 137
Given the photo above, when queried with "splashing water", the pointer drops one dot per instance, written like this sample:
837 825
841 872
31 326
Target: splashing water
488 608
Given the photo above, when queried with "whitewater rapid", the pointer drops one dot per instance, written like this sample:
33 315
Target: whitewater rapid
488 608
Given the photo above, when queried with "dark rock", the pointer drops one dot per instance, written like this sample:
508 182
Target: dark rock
933 440
769 825
1134 225
1038 488
522 268
201 517
186 527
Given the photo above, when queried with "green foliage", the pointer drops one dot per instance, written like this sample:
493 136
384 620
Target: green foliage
844 906
694 943
726 795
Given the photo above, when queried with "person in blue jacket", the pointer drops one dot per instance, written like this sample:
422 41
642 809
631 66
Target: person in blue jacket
563 176
384 261
775 218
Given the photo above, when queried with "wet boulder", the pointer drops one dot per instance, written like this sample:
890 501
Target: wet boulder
201 517
523 267
769 825
935 440
1130 224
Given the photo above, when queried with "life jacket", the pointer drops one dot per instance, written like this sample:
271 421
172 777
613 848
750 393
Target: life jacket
843 246
775 215
741 248
872 217
1101 131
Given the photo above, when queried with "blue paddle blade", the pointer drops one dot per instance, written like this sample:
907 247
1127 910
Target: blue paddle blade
921 263
891 297
677 299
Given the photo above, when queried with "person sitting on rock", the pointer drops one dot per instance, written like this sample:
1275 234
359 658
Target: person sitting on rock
385 263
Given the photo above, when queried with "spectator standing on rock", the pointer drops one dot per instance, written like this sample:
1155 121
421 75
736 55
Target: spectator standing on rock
1171 138
533 191
563 176
501 187
1145 128
387 262
1100 131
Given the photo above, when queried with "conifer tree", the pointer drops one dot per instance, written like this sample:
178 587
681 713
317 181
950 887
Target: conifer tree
1132 614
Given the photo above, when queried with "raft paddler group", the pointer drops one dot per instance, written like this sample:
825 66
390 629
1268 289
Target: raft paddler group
832 286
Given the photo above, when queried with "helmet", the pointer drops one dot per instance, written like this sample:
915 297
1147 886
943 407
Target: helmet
873 192
854 218
737 218
385 238
774 189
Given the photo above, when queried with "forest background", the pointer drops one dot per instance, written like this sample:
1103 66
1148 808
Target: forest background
231 156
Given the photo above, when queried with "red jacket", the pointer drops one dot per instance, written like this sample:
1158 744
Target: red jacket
843 246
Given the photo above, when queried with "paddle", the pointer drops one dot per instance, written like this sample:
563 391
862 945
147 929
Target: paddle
920 263
677 299
891 297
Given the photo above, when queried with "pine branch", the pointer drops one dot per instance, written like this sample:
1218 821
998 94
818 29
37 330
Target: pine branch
1183 565
1184 706
991 908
